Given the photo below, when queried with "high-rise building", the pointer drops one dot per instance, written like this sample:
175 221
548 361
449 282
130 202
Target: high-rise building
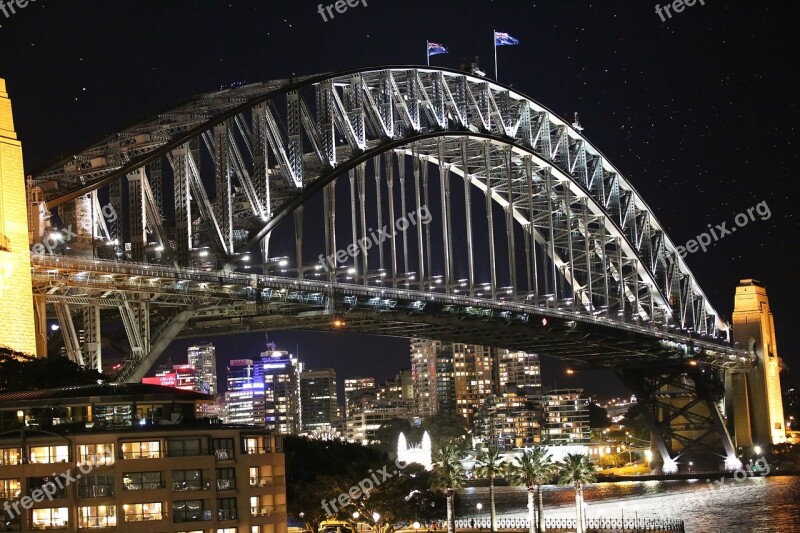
203 357
433 377
520 371
280 371
353 391
566 417
508 420
472 366
319 399
244 399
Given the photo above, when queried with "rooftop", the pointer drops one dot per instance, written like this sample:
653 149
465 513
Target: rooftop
93 393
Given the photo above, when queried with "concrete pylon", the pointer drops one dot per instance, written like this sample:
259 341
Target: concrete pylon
16 293
754 403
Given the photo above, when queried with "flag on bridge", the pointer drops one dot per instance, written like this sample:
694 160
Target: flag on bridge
435 49
502 39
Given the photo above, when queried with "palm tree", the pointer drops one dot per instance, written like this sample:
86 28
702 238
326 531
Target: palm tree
489 464
577 470
532 470
448 475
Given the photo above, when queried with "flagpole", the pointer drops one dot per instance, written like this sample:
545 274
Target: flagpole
494 42
428 52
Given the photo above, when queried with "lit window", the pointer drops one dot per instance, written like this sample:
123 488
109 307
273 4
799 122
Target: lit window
138 512
10 456
49 454
142 450
96 454
50 518
97 516
9 489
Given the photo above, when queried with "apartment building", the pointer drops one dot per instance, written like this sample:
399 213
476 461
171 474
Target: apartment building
134 457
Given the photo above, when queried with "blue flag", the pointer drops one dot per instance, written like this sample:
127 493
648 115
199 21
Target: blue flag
436 48
504 39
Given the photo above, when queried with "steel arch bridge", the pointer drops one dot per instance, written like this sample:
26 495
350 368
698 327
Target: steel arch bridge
536 240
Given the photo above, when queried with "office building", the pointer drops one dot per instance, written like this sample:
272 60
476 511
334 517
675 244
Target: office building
203 357
319 399
566 417
433 377
244 399
181 377
280 372
146 464
353 388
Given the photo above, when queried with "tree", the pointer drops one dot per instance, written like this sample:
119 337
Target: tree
598 417
489 464
532 470
635 422
448 476
21 372
577 470
444 428
612 460
318 471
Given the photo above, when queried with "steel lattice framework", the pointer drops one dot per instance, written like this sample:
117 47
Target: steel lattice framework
578 237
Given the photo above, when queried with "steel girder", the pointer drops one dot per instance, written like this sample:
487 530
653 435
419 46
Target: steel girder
601 236
590 245
681 404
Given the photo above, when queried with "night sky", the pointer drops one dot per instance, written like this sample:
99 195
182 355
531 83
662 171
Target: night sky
699 112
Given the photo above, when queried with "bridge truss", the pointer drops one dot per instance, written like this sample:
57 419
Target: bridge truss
530 225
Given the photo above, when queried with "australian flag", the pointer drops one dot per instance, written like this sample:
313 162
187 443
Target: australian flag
504 39
436 48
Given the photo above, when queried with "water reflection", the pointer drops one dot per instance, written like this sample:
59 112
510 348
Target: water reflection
760 505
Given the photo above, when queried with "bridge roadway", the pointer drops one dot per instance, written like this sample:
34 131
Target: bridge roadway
232 302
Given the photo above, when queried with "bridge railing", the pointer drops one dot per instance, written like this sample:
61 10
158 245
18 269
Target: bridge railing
633 525
663 331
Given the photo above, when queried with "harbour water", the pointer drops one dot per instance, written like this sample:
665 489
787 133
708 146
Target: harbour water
760 505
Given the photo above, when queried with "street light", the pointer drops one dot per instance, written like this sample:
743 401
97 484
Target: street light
479 505
415 525
622 509
376 517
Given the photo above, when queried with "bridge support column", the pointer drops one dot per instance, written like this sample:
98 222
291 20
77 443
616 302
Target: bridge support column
681 407
16 297
756 397
92 349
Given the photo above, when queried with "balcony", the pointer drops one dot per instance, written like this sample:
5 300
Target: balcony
224 454
95 491
268 481
226 484
183 486
268 510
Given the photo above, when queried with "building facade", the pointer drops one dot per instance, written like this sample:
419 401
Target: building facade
244 399
132 457
352 388
319 399
280 372
203 357
433 377
566 417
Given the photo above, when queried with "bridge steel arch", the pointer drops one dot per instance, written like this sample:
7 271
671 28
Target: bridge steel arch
590 244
